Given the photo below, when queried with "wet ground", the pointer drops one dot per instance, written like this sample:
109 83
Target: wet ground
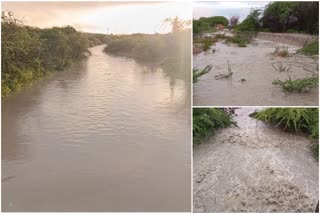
254 64
254 168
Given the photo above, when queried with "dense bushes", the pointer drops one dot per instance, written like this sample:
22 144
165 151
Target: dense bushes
206 120
205 24
283 17
301 120
29 53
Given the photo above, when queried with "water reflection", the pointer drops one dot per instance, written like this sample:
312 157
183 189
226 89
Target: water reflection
105 136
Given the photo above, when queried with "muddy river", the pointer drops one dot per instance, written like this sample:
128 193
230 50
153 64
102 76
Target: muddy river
254 64
107 135
254 168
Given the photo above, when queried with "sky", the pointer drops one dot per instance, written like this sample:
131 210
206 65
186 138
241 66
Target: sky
101 17
226 8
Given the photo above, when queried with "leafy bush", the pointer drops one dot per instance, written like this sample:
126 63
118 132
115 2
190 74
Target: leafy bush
197 73
298 85
300 120
206 41
207 24
241 39
206 120
251 22
310 49
29 53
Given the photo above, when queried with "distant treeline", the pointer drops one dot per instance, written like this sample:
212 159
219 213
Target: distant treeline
291 17
29 53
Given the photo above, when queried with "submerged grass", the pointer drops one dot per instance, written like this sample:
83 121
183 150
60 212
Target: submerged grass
207 120
310 49
207 42
197 74
281 52
298 120
298 85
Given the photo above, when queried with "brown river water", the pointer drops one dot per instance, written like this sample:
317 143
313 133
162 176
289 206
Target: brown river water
254 168
254 64
109 134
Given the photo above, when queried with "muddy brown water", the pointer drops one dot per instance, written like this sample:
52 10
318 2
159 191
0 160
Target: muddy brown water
254 64
254 168
107 135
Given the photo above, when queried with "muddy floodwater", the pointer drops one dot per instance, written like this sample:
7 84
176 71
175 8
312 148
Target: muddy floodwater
254 168
108 135
253 64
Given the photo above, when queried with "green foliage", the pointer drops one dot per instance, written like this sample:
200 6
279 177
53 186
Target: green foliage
281 52
300 120
298 85
291 17
310 49
205 24
206 41
206 120
251 22
241 38
29 53
197 74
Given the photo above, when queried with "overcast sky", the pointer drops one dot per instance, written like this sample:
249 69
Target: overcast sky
101 17
226 8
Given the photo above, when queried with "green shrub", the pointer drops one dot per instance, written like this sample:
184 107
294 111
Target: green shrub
281 52
298 85
206 120
310 49
299 120
241 39
207 24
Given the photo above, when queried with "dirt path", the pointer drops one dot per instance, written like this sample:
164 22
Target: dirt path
254 168
254 64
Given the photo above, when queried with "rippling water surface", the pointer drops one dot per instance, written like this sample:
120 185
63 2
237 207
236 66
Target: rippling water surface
107 135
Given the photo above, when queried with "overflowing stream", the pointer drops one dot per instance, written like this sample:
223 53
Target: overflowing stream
254 69
254 168
109 134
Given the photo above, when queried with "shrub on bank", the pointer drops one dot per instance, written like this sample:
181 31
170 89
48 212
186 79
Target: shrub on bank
299 120
207 120
310 49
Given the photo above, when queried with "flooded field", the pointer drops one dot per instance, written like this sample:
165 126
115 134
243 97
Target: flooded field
108 135
254 168
253 70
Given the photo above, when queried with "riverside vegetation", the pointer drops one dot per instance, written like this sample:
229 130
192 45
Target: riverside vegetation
29 53
297 120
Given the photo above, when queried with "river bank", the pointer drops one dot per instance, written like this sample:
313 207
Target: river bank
254 168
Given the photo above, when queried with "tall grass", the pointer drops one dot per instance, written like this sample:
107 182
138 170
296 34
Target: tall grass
207 120
298 85
298 120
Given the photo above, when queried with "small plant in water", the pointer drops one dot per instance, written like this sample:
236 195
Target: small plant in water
281 68
281 52
298 85
197 74
227 76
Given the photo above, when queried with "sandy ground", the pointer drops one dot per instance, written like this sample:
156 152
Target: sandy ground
254 64
254 168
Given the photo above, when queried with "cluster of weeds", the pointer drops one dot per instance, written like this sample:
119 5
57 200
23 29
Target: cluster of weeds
207 120
197 74
281 52
281 68
206 41
310 49
300 120
241 39
298 85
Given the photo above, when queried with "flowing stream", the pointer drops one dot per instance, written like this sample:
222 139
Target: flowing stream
109 134
254 168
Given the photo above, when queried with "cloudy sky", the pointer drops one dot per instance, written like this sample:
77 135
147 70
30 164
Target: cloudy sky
226 8
101 17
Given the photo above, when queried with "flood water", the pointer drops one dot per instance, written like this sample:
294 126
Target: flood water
254 64
107 135
254 168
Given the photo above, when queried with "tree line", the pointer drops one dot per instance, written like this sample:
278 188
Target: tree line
29 53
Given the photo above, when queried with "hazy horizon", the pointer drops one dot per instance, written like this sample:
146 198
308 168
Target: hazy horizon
101 17
226 9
